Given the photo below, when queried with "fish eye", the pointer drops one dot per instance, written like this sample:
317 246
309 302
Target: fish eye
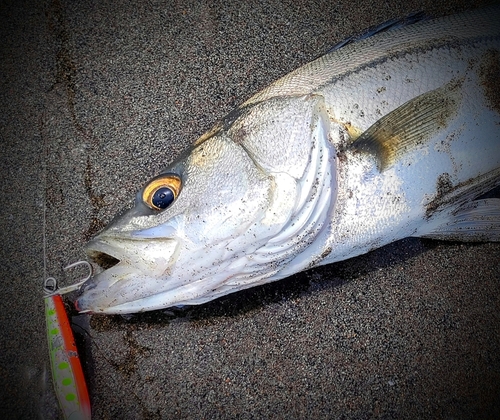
162 191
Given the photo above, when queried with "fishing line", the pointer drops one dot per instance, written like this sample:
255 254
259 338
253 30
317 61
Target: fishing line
44 210
50 283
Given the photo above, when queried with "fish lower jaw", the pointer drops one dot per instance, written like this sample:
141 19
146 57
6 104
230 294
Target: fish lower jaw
112 292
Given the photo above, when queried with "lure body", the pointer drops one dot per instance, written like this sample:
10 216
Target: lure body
67 373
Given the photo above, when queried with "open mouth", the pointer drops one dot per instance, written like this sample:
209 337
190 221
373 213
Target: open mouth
115 267
102 259
132 270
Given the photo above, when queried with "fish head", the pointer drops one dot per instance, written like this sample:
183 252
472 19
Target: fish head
221 218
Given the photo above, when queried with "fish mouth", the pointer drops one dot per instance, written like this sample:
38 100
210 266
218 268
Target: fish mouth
123 285
103 260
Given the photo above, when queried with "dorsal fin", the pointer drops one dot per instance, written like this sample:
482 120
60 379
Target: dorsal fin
383 27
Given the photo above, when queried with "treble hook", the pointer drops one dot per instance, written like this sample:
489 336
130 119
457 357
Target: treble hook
50 283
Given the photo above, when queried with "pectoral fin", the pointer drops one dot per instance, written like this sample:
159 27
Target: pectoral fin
411 125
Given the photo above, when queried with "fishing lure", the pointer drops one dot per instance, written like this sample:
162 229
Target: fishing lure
67 374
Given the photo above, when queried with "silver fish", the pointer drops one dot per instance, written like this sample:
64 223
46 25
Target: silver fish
391 136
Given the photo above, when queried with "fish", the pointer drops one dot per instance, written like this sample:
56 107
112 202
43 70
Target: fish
392 135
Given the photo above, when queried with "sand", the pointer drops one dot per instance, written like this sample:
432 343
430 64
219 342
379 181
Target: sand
99 96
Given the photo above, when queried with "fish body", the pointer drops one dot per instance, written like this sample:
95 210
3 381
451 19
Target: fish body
391 136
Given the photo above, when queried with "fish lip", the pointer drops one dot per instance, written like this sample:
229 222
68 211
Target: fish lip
103 253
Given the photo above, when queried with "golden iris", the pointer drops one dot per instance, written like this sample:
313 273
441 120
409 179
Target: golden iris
162 191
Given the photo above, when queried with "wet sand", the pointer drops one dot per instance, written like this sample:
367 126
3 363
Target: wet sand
97 98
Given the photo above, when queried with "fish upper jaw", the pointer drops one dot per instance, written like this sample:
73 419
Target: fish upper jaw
151 255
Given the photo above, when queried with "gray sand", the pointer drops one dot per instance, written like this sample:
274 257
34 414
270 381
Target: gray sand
99 96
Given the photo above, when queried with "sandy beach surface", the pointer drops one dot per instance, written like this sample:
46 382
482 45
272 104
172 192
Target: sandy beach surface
98 96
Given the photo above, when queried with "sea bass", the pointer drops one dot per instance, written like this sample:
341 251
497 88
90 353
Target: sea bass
391 136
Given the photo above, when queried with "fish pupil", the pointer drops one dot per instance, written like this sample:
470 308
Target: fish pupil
162 198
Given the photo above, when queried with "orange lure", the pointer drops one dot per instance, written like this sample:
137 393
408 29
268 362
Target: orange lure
67 374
